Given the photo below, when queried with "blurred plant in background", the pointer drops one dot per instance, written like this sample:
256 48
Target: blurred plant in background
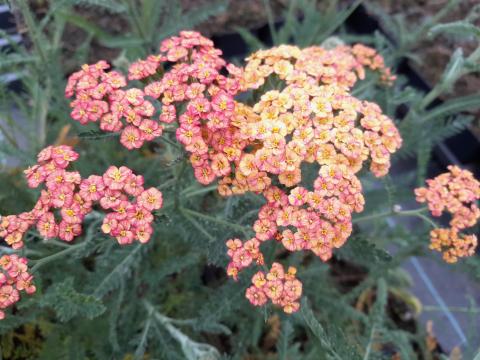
107 301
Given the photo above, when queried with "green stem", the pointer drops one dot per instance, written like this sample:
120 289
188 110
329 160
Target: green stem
195 350
151 310
431 96
474 56
441 87
373 216
416 212
178 175
46 260
34 32
58 243
8 137
23 251
168 141
135 20
452 308
413 212
370 343
166 184
204 190
271 21
143 341
428 220
214 219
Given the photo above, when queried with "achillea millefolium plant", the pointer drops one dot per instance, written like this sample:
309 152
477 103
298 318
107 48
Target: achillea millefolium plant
285 127
312 119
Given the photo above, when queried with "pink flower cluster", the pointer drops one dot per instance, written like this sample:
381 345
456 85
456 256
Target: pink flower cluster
62 207
196 83
14 277
456 192
127 220
101 96
193 82
317 220
281 287
59 195
242 255
67 199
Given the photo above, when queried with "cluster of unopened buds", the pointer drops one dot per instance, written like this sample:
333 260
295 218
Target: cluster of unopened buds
67 199
312 118
14 278
457 192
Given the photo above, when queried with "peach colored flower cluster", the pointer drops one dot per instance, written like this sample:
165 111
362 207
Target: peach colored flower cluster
456 192
281 287
452 243
341 66
69 198
309 123
317 220
127 219
312 119
196 81
305 121
14 277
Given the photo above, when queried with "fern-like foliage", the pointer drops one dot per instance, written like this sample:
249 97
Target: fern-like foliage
68 303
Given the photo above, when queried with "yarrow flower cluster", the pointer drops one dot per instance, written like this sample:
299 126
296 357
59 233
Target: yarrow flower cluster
312 119
59 195
456 192
63 205
102 96
127 219
14 278
193 82
281 287
341 66
452 243
67 199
